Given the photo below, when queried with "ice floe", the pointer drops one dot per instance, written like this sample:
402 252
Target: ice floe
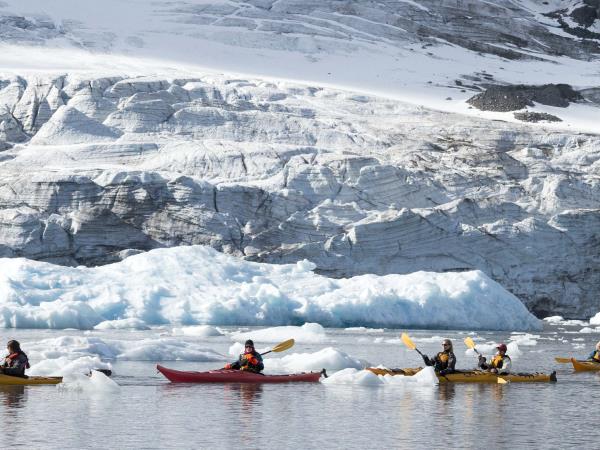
196 285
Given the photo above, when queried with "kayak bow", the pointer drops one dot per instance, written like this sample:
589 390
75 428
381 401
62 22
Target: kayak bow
584 366
473 376
9 380
235 376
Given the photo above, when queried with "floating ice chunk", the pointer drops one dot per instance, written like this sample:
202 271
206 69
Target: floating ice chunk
63 366
198 331
429 339
559 320
307 333
425 376
513 350
329 358
351 376
590 330
161 349
595 320
167 350
236 349
354 377
554 319
134 324
366 330
525 339
96 382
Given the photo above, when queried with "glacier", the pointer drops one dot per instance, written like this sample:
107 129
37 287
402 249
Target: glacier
337 132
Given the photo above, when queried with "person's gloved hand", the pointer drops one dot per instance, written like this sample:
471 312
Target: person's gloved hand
481 359
425 359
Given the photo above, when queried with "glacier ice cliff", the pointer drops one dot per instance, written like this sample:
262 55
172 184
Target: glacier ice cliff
95 169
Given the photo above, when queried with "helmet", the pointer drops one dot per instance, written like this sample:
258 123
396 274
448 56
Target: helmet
249 343
502 347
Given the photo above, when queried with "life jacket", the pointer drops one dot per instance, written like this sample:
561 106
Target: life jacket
596 356
442 361
497 361
10 358
250 360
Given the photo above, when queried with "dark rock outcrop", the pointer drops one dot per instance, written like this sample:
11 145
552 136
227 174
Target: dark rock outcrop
529 116
512 98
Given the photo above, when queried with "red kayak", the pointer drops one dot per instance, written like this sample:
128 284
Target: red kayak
235 376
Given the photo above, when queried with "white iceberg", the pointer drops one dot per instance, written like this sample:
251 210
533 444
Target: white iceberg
197 285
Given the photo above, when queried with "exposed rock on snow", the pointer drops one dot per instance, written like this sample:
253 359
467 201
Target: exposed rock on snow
511 98
530 116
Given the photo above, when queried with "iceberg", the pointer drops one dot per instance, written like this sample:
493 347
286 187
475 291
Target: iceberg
196 285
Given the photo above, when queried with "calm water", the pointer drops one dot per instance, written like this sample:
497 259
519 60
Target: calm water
152 413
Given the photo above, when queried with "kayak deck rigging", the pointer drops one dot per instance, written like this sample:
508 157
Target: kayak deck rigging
471 376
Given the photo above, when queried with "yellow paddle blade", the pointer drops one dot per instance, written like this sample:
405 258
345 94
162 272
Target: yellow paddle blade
408 342
283 346
562 360
502 381
469 343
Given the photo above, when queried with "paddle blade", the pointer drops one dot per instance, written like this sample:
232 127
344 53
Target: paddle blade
283 346
469 343
562 360
408 342
502 381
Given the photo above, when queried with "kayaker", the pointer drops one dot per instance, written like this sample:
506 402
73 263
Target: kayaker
16 361
500 362
595 355
250 360
445 361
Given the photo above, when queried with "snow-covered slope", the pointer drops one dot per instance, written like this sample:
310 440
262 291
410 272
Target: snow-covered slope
192 285
429 52
124 128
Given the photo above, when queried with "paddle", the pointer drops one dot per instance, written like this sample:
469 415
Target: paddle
281 347
409 343
471 344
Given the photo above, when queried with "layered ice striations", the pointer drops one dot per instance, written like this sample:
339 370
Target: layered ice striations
98 169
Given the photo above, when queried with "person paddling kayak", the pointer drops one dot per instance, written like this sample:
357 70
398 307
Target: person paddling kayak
445 361
595 355
250 360
500 362
16 361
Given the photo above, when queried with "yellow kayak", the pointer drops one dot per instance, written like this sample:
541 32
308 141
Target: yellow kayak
473 376
8 380
584 366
